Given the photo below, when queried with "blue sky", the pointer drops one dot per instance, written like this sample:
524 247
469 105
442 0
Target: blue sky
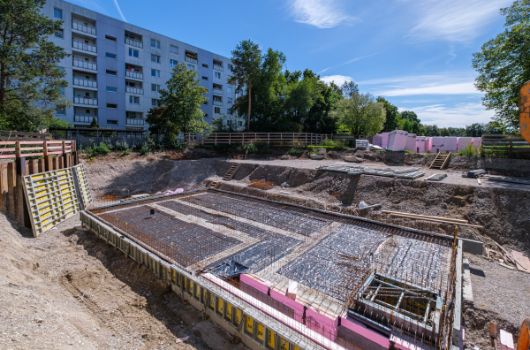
416 53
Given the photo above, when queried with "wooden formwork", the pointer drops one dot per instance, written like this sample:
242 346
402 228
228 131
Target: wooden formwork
53 196
20 158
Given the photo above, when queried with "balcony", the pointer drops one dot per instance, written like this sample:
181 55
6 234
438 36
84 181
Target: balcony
134 43
85 65
86 83
134 122
84 47
190 60
80 27
86 101
218 67
134 75
134 90
85 119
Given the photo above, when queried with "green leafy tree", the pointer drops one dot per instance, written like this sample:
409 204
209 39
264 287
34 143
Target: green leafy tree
392 114
180 106
475 130
431 130
246 62
495 128
409 121
503 64
30 81
360 115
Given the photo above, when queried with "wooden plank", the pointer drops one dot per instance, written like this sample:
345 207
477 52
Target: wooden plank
3 186
11 188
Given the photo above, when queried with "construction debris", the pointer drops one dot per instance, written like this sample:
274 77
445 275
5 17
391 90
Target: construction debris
407 173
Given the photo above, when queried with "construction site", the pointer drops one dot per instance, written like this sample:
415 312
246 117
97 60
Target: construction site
276 252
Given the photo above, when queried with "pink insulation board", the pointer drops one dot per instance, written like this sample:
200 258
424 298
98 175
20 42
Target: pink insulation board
322 324
444 144
298 309
411 143
397 140
255 283
463 142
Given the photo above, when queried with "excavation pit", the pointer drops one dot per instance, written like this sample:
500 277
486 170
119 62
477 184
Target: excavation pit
329 274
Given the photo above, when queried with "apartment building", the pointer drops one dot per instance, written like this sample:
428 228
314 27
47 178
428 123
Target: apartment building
115 70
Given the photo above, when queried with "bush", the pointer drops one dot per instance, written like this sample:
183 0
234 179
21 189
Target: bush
295 151
469 151
333 144
97 150
121 146
250 148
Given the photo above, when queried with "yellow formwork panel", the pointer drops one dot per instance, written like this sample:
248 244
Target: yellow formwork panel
271 339
229 311
212 301
54 196
249 325
284 344
238 317
260 332
220 306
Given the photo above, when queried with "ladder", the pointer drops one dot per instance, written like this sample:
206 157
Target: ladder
229 175
441 161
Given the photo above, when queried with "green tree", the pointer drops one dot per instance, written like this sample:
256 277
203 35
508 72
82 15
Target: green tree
180 106
246 61
30 81
495 128
392 114
360 115
475 130
409 121
431 130
503 64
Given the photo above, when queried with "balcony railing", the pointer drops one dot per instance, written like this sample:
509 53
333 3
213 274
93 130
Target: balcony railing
135 122
190 60
86 101
86 119
217 67
134 75
217 103
80 27
134 42
218 90
133 90
84 47
85 83
85 65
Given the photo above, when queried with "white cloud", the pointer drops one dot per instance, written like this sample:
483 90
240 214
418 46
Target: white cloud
337 79
453 83
118 8
320 13
459 115
454 20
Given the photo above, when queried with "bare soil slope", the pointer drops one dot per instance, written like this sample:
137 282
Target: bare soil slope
67 290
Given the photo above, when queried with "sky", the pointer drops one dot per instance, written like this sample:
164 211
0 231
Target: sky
415 53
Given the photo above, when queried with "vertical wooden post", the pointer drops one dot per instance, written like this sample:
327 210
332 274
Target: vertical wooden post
11 188
64 156
3 186
47 161
42 165
22 170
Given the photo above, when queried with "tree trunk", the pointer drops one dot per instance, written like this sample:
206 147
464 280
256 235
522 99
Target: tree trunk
249 110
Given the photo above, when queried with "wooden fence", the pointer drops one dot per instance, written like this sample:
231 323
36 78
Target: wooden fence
6 135
505 147
269 138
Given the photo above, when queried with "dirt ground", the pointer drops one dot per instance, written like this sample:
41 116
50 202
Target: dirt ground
67 290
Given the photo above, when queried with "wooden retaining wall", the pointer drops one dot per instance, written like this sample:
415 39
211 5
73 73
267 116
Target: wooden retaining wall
26 157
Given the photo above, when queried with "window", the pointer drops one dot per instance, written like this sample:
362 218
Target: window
155 73
59 33
155 102
230 67
217 87
110 37
134 52
112 122
57 13
204 78
110 55
155 43
229 100
111 89
205 65
173 63
155 58
217 110
174 49
112 105
217 75
134 99
60 110
155 87
111 72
